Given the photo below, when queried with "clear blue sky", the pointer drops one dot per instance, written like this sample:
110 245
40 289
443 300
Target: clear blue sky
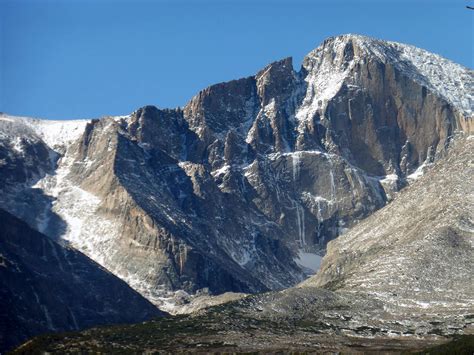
88 58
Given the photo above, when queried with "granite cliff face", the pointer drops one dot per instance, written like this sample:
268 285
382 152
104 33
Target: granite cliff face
240 188
397 282
47 287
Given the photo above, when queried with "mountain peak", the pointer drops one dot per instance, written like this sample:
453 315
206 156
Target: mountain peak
336 57
251 179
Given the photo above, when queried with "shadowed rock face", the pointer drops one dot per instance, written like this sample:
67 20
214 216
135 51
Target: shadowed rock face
226 192
46 287
24 159
399 281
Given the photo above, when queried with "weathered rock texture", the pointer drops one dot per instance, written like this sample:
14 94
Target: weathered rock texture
417 252
398 281
236 189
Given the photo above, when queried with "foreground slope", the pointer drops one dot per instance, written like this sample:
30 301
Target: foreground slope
418 251
241 189
48 287
399 280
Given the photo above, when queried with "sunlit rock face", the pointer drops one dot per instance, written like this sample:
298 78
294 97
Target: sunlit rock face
241 189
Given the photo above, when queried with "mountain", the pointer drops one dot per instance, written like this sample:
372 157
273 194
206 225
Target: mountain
47 287
397 282
241 189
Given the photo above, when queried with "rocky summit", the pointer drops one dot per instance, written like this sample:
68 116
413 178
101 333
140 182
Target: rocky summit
242 189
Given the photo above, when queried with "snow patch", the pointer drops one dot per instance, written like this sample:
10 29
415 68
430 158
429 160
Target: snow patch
390 178
324 80
418 172
311 261
18 145
222 171
86 230
56 134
